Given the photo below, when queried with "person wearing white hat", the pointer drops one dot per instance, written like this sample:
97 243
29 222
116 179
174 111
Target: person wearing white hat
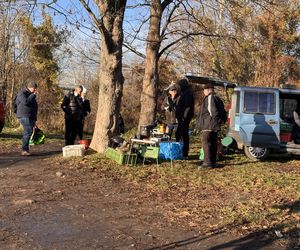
86 111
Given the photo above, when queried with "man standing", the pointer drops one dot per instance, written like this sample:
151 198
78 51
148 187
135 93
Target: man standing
184 114
209 122
26 111
73 108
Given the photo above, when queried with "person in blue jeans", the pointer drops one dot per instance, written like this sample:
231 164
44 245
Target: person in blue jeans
26 111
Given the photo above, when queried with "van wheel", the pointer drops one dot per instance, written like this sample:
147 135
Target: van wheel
256 153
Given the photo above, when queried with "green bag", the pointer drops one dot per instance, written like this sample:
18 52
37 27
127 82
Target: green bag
37 137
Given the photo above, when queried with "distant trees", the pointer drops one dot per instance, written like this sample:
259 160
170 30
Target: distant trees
257 42
27 54
249 42
42 65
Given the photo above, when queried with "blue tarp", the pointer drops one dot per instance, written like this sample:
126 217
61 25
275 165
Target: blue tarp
171 150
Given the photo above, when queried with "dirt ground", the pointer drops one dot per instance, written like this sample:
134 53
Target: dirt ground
45 204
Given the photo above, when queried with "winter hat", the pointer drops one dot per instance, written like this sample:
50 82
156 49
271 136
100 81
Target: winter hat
208 86
32 85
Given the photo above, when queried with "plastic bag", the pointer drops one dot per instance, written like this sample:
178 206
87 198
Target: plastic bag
37 137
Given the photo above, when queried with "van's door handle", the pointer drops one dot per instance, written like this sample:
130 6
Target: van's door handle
272 122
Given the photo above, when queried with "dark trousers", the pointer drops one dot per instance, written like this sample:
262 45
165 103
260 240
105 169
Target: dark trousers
209 144
71 131
28 125
80 129
182 134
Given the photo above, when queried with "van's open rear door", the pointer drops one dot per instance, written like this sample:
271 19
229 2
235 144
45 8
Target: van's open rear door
205 80
259 117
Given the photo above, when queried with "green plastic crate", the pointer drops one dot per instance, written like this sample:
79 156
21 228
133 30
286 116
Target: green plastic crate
150 152
287 127
120 157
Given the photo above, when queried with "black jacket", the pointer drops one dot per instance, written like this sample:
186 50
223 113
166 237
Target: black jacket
26 104
72 106
209 116
169 106
86 107
185 105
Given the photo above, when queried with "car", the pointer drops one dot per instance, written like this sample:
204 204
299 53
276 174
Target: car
2 115
261 119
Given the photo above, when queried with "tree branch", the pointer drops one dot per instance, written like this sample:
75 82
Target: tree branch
165 3
135 51
185 37
99 23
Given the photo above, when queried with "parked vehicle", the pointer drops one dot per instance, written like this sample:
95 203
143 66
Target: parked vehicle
261 120
2 115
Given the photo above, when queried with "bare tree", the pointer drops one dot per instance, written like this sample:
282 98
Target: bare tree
169 25
110 25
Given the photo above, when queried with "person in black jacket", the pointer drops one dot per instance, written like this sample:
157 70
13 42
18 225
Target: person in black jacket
184 115
169 106
73 107
26 111
86 111
209 123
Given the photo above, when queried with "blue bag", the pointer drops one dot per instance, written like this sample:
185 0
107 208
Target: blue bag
171 150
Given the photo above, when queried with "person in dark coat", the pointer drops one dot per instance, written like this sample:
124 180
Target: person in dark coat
209 124
184 114
73 107
26 111
86 111
169 106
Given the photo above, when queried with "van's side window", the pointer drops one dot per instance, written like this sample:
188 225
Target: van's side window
258 102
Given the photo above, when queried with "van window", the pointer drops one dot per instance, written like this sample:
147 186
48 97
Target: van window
259 102
237 109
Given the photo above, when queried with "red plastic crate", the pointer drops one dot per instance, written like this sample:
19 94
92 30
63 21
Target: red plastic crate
285 137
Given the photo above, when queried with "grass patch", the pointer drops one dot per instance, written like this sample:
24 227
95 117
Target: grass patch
252 196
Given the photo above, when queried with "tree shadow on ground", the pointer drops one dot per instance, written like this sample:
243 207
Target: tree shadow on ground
256 240
293 207
11 136
19 136
11 159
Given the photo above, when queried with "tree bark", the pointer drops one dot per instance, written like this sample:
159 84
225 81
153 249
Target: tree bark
150 80
110 74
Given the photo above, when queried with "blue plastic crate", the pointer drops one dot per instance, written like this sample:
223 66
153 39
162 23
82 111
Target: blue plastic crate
171 150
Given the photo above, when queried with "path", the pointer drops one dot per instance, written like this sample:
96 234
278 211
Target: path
83 210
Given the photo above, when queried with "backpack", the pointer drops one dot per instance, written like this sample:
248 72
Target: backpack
222 114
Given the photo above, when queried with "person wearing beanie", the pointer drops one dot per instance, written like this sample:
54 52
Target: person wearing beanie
184 115
26 108
169 106
72 105
86 111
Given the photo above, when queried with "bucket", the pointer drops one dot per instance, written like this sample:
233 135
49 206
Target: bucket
85 143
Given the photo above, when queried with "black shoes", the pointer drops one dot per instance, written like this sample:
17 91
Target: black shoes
205 165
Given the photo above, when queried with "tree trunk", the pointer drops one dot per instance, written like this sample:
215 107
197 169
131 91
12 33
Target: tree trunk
150 80
111 77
